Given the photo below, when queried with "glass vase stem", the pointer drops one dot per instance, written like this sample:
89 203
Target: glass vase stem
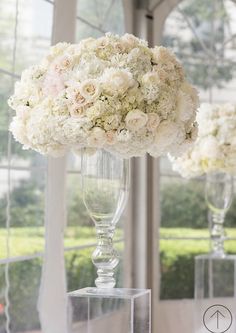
219 193
105 257
218 234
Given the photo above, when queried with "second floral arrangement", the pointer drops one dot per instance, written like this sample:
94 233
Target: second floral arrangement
215 148
113 92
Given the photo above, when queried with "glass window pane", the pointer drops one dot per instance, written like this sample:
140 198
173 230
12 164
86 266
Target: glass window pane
202 33
7 22
103 14
33 37
177 267
26 212
84 30
24 281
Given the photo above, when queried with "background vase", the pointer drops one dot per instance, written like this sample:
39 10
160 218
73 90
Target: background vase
218 193
105 179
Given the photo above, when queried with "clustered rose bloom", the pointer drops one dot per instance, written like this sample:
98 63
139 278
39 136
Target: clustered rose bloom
215 147
113 92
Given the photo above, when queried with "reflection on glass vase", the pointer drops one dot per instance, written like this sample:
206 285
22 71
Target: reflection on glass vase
218 193
105 179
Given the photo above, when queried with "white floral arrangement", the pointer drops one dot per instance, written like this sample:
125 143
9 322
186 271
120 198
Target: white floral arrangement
113 92
215 147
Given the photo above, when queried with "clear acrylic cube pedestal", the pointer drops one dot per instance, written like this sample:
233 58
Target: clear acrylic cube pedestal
215 294
93 310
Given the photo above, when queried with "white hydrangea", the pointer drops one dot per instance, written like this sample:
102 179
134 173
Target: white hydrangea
113 92
215 147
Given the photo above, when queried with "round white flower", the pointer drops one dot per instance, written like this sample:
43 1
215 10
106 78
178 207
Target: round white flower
75 97
97 137
136 120
130 41
153 121
90 90
116 81
172 131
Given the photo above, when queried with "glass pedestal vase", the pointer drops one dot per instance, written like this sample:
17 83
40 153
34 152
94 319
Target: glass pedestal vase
105 184
215 294
95 310
218 193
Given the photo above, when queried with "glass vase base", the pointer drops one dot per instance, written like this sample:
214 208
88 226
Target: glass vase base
215 293
117 310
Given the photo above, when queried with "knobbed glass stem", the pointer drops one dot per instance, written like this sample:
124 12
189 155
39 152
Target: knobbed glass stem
105 180
218 234
218 192
105 258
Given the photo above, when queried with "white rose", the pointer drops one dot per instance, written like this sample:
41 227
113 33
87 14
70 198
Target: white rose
90 89
97 137
117 81
153 121
63 63
74 95
76 111
57 50
135 120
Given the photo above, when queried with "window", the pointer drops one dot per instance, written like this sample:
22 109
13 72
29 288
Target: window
202 34
23 41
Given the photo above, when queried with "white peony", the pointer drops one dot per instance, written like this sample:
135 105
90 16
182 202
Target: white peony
116 81
135 120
